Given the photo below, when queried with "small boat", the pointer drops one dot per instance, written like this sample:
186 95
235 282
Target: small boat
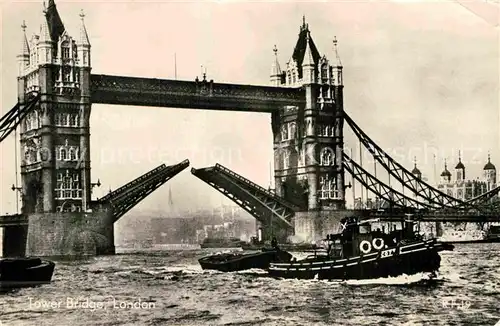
359 253
25 272
231 262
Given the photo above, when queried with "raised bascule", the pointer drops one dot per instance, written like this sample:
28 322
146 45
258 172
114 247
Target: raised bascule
56 90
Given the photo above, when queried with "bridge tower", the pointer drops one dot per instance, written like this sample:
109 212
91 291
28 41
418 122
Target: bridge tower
55 137
308 141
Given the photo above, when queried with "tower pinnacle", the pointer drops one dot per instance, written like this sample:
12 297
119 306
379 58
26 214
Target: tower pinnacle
308 57
44 29
84 38
304 26
275 69
338 62
24 46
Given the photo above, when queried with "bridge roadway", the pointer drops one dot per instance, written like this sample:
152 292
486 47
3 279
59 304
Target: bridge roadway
199 94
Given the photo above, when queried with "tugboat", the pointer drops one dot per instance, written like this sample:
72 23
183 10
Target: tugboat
24 272
232 262
359 253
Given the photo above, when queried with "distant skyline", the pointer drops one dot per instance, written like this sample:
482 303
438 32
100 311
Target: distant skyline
421 78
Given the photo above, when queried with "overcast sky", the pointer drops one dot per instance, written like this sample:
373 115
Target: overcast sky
418 76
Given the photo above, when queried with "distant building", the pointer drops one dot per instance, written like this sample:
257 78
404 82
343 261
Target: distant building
173 230
464 189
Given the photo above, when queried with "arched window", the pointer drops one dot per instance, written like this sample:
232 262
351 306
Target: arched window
286 160
76 120
65 50
284 132
328 188
34 121
57 119
67 76
302 157
28 122
63 154
326 157
293 130
324 73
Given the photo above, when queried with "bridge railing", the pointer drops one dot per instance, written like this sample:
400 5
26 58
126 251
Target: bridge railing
133 183
256 186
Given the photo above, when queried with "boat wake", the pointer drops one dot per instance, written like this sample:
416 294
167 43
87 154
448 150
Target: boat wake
416 279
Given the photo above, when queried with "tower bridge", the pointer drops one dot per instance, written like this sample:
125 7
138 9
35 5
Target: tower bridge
56 91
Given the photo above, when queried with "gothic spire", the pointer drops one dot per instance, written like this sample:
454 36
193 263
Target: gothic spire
338 62
275 69
44 29
25 49
308 56
83 37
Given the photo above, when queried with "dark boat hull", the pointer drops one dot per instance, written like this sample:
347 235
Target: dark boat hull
25 272
239 262
409 259
285 246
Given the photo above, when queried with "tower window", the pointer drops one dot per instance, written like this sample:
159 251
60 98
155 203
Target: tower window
70 187
324 73
326 157
328 188
67 77
67 153
284 132
293 130
286 158
65 52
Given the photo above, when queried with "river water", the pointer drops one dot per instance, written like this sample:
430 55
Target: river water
169 288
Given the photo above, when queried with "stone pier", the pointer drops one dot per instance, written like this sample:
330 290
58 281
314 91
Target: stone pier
70 234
